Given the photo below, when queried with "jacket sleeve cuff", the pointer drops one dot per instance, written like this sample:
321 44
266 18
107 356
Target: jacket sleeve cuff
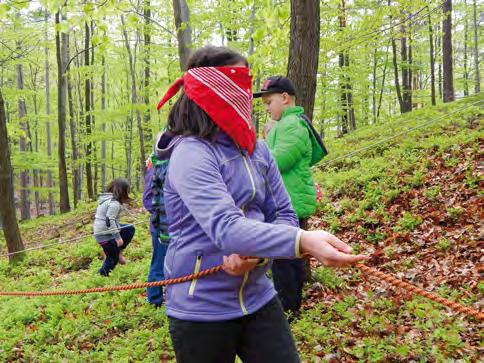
297 245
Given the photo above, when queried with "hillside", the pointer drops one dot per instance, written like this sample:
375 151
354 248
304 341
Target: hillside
413 203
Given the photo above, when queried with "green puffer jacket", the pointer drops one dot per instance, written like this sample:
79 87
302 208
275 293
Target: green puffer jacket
295 149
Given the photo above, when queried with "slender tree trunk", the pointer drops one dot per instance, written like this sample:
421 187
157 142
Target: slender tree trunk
34 140
103 125
466 70
8 218
112 155
382 88
255 116
61 41
373 89
404 65
303 60
50 183
93 120
432 59
410 71
76 171
81 127
134 98
146 86
24 174
128 133
395 66
184 31
397 82
87 100
438 50
448 72
477 86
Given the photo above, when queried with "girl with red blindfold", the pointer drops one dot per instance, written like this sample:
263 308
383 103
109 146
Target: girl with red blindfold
224 199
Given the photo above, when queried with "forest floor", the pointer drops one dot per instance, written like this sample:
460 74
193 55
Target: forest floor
414 204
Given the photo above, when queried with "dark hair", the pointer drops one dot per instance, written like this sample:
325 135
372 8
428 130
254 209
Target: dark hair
120 189
186 117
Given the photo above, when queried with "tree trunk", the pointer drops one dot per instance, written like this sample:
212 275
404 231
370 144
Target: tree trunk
432 59
146 86
466 71
24 175
34 141
405 74
134 98
410 71
382 83
477 86
438 50
183 32
448 73
303 60
93 120
373 89
81 127
50 183
395 72
87 100
7 207
61 41
76 170
103 125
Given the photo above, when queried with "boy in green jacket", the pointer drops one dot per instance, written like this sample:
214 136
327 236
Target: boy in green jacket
296 147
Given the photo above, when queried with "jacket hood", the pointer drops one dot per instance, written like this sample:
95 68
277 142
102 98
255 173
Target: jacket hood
164 145
103 197
318 148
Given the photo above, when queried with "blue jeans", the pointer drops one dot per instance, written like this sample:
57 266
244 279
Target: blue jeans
155 294
112 250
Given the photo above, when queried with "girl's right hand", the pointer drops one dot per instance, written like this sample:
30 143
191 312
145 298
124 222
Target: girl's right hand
119 242
236 265
328 249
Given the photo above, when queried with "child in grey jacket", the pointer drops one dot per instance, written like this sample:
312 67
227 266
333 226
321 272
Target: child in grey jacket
112 236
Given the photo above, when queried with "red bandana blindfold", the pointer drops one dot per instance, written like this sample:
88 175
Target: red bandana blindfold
225 94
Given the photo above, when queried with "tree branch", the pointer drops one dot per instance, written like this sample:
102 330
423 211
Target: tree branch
153 21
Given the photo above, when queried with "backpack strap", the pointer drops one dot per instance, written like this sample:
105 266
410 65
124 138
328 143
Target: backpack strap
158 218
315 133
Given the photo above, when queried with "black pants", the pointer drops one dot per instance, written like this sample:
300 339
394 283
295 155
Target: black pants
289 277
262 337
112 251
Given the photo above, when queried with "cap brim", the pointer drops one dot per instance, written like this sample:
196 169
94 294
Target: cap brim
260 93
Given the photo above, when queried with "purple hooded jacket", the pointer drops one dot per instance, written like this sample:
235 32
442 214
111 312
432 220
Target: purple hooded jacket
221 201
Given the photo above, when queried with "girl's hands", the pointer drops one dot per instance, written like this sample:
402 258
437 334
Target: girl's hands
119 242
235 265
328 249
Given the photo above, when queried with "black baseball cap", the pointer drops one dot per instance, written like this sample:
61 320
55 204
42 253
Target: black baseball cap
276 84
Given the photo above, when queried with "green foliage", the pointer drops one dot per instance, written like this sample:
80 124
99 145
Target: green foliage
454 213
327 277
444 244
408 222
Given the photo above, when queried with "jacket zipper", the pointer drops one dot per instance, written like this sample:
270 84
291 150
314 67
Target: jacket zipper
246 275
251 181
191 290
241 293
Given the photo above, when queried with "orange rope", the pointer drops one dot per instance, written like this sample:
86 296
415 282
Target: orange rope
369 270
417 290
137 285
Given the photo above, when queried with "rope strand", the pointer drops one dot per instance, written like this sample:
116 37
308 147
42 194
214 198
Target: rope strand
468 311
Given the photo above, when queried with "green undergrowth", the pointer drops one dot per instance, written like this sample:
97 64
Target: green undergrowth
343 319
